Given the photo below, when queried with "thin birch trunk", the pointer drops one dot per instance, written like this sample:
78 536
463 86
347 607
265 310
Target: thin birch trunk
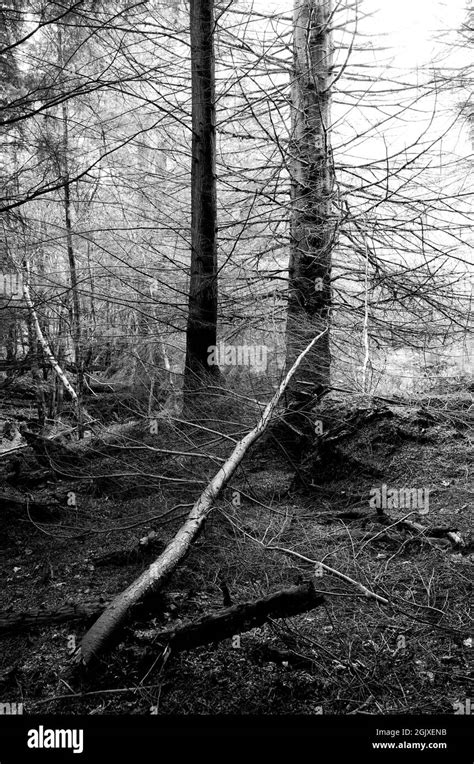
41 338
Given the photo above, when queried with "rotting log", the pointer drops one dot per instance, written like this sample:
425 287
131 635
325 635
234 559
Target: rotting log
15 622
38 617
67 459
238 619
12 500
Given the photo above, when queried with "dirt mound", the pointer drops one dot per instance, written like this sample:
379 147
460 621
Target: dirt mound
369 439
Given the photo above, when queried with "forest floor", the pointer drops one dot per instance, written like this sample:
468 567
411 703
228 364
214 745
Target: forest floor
352 655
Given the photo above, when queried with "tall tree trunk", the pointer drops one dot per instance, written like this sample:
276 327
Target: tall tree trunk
202 317
312 225
76 305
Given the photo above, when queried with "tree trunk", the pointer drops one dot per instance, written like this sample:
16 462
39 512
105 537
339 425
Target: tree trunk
39 617
202 317
241 618
76 315
16 501
42 340
76 330
35 373
312 228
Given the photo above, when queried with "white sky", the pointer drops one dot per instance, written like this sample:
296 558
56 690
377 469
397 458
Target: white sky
415 33
408 24
411 25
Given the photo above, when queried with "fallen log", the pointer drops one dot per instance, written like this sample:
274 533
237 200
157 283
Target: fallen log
50 458
21 479
38 617
451 535
18 502
104 439
49 452
11 623
71 459
238 619
152 579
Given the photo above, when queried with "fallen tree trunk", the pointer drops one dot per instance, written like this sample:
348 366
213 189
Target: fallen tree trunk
18 502
38 617
98 636
241 618
432 534
72 611
68 460
119 435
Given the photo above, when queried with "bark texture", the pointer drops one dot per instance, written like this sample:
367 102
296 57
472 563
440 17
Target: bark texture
241 618
202 316
312 225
